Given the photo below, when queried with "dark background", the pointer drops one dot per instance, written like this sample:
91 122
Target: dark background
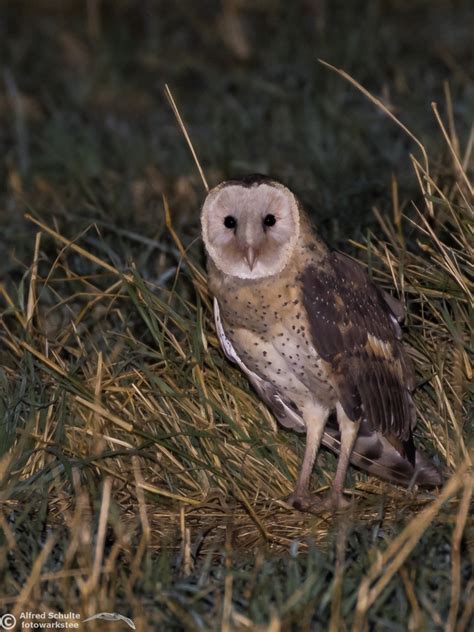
86 132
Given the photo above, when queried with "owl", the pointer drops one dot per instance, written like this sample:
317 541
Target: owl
317 339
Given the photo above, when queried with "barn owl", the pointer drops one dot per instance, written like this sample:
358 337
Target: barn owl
317 339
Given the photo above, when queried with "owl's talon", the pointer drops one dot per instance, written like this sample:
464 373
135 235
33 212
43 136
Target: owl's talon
335 502
305 502
310 503
302 502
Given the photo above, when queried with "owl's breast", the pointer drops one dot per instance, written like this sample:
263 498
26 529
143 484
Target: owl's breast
258 305
268 327
283 356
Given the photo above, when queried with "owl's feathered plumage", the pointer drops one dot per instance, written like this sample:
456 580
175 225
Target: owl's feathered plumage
355 331
313 334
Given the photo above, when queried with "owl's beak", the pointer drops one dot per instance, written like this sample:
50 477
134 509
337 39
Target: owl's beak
250 257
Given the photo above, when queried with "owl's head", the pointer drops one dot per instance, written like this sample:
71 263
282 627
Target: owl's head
250 227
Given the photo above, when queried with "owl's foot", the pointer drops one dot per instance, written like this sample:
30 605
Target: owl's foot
302 501
334 502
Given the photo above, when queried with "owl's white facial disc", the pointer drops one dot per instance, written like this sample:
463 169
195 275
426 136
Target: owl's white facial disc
250 232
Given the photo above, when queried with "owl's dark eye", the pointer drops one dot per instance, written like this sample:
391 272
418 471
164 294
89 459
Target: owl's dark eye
230 221
269 220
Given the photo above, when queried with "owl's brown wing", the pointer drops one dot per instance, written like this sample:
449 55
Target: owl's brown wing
354 328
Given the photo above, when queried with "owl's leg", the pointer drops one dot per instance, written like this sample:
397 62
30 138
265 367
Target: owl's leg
315 418
349 430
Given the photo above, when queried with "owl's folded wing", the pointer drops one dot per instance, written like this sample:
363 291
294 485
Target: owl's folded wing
355 330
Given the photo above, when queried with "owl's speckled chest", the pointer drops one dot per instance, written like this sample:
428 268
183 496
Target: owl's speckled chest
257 306
267 324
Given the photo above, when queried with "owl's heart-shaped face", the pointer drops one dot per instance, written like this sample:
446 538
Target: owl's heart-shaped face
250 230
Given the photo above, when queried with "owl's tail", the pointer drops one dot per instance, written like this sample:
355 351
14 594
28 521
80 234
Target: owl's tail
387 457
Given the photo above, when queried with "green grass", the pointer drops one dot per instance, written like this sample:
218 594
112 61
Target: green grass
139 473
